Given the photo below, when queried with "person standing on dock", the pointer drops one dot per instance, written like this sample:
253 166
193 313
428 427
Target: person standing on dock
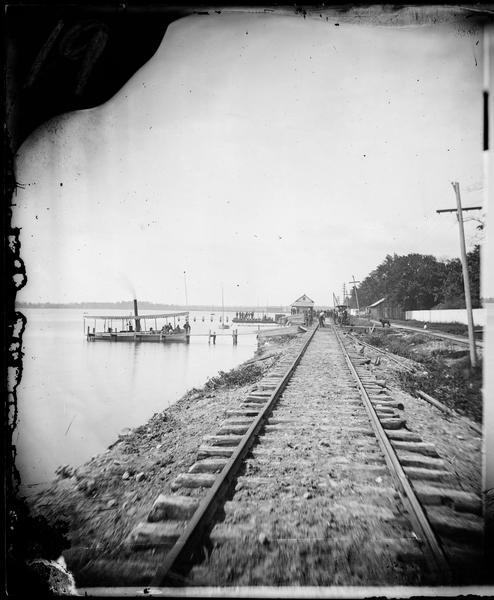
321 318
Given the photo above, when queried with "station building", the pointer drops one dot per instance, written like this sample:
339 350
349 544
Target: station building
301 305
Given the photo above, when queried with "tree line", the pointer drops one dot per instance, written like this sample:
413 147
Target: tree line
147 305
418 281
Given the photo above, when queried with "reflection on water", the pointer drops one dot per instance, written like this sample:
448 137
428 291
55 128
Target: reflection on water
75 396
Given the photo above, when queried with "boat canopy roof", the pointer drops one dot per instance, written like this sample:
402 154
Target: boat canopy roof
134 317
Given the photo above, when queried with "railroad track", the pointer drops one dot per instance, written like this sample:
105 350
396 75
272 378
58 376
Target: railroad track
315 479
406 366
401 363
439 334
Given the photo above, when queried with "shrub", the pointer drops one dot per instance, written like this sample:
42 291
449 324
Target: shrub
236 377
375 340
457 386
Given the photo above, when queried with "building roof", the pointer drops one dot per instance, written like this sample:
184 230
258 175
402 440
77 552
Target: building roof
303 302
377 303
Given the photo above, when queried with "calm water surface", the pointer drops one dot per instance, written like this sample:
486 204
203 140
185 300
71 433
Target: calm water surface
76 396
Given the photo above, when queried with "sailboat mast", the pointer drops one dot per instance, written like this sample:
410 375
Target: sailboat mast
185 286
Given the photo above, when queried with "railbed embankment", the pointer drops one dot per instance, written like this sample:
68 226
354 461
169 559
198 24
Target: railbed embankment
298 513
442 367
311 460
103 499
455 440
459 329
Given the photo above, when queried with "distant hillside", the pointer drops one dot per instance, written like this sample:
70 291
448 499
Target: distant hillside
145 305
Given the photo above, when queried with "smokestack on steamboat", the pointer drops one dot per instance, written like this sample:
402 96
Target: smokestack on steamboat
158 328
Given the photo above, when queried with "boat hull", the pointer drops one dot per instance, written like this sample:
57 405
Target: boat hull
137 337
281 331
253 321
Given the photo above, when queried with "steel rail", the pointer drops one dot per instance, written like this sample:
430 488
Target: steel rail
442 407
415 510
386 353
180 558
442 335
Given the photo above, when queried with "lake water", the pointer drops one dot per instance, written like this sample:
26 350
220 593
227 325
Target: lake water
76 396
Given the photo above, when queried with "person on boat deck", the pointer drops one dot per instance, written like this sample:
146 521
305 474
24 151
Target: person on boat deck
187 327
177 329
151 330
130 327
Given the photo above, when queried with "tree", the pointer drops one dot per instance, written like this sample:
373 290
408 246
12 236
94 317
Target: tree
410 282
452 286
473 264
417 281
453 290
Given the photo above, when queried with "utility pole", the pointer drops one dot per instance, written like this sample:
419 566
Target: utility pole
355 288
344 294
466 282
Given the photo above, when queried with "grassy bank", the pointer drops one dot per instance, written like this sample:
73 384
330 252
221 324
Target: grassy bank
443 369
452 328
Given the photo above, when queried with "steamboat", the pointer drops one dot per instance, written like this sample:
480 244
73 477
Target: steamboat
138 328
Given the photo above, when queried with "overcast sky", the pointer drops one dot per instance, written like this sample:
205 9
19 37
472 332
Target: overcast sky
274 155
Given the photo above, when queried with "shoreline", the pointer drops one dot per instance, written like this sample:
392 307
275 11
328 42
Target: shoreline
103 499
74 398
